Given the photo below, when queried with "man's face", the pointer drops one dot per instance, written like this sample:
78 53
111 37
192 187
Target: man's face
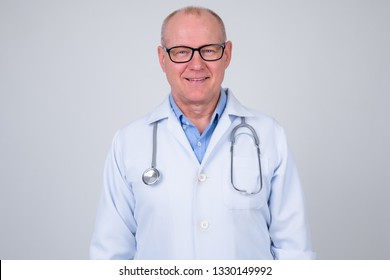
195 82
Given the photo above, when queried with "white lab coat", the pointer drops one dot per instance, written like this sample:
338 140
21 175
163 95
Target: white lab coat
194 212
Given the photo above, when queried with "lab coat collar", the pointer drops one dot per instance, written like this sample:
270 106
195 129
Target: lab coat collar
233 108
161 112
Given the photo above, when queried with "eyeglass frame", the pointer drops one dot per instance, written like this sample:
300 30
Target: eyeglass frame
168 50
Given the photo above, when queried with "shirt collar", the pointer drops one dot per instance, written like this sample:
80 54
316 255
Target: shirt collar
217 113
233 109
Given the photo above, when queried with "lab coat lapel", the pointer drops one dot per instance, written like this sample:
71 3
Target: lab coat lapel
219 132
176 130
228 119
164 111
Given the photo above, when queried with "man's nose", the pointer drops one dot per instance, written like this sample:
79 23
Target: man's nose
197 61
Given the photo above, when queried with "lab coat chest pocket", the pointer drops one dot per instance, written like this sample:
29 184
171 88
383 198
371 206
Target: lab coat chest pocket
243 173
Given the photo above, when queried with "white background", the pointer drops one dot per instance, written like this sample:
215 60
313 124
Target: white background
73 72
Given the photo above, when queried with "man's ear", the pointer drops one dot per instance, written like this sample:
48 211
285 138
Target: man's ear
161 57
228 53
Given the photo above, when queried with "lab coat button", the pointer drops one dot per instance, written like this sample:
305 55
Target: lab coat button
202 177
204 224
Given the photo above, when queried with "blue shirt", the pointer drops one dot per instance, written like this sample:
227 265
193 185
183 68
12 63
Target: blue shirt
199 142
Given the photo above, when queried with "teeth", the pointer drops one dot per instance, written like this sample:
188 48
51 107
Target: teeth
196 80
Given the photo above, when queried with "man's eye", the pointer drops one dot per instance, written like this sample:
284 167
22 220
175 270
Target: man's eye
181 52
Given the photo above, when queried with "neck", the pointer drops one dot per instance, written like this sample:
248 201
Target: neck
200 117
199 114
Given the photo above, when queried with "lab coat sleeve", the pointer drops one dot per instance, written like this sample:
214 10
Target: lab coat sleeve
288 228
113 236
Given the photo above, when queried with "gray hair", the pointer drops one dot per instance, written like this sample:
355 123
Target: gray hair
192 10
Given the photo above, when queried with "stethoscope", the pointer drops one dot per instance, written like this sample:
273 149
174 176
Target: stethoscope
152 175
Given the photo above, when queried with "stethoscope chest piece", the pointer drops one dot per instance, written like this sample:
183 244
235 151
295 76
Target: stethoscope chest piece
151 176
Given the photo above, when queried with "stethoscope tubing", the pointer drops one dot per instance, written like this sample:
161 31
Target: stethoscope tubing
152 175
256 139
154 156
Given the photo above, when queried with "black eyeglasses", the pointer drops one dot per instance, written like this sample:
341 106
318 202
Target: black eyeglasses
183 54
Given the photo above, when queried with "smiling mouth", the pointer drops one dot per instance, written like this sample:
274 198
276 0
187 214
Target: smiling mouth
196 79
